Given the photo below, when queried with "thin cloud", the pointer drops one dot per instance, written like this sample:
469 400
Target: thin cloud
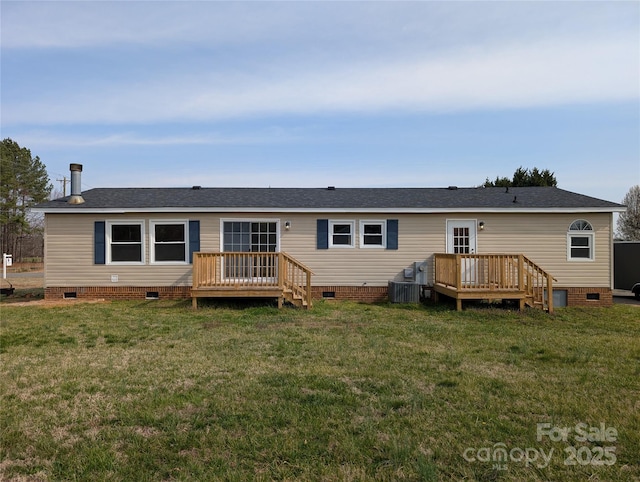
565 71
58 141
78 25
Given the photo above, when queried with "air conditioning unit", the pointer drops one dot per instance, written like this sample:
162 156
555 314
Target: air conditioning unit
404 292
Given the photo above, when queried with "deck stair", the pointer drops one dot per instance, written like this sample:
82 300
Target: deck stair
493 277
248 275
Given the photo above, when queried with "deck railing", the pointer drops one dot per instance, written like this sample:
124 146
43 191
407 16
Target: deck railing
252 271
495 273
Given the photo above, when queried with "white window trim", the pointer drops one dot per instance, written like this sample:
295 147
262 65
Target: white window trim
588 233
350 222
152 240
247 220
117 222
582 234
381 222
250 220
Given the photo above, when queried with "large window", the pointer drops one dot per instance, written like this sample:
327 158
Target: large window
250 237
125 242
341 234
580 239
169 241
373 234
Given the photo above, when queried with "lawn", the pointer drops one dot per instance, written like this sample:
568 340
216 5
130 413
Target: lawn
155 391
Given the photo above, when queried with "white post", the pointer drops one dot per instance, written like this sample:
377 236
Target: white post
7 260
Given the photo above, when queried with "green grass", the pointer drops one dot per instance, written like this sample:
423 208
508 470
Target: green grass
156 391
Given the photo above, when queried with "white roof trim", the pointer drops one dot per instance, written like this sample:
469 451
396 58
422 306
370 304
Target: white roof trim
80 210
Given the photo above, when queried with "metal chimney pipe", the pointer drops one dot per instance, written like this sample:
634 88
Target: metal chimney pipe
76 184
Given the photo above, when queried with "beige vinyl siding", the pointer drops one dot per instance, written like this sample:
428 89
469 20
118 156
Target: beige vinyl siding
69 259
419 236
542 237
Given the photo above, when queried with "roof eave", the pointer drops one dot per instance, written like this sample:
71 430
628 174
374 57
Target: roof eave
404 210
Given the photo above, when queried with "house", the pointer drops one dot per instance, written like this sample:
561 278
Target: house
540 245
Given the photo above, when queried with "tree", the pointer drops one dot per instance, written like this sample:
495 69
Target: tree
629 221
524 177
24 183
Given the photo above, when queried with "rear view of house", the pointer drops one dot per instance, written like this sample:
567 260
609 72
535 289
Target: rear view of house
342 243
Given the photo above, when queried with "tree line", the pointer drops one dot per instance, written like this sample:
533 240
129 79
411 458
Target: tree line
524 178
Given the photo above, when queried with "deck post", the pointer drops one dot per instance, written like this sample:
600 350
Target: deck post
195 273
195 270
281 269
549 293
521 272
458 273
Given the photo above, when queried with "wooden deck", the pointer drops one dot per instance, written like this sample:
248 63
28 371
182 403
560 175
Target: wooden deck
264 275
493 277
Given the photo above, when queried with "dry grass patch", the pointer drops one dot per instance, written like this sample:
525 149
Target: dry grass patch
156 391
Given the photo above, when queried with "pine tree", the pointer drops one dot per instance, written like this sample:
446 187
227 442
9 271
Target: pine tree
524 177
24 182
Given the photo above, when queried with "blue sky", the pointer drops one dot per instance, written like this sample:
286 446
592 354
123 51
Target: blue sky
358 94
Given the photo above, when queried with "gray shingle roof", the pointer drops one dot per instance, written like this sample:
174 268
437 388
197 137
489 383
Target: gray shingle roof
316 199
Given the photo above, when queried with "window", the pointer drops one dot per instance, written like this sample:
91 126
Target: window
264 237
169 241
461 240
124 241
250 237
373 234
580 239
341 234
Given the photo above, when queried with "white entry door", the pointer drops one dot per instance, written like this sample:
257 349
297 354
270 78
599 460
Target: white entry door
461 239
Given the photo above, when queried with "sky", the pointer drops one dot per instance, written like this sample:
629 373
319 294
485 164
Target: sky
312 94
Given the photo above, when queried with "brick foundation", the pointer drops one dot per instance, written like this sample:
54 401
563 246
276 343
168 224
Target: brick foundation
118 292
589 296
366 294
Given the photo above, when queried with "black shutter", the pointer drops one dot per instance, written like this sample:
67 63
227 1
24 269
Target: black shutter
99 245
392 234
322 240
194 238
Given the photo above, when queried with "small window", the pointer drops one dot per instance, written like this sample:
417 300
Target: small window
580 240
373 234
580 225
341 234
169 241
125 242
